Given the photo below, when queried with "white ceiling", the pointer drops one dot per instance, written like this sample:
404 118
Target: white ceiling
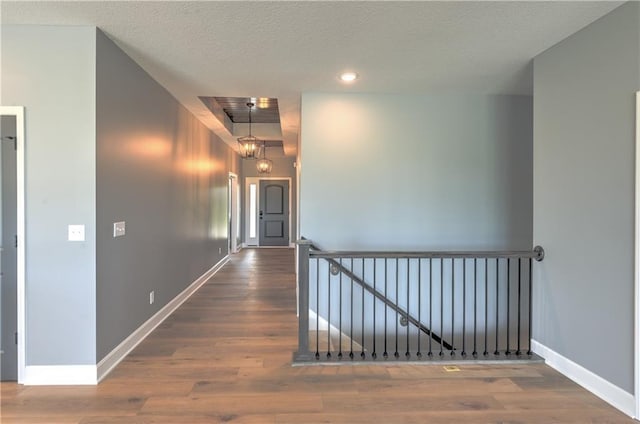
282 49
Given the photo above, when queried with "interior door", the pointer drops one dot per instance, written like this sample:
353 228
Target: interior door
9 251
274 213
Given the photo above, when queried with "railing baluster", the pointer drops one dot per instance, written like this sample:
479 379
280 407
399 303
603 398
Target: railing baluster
396 354
475 306
497 351
419 353
386 335
430 305
530 303
486 305
340 317
328 310
508 351
362 335
518 352
441 305
351 321
407 354
375 317
317 308
453 306
464 306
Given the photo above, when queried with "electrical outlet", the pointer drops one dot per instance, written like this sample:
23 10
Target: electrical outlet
220 250
151 297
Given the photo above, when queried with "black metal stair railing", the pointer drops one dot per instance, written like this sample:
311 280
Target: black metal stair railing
387 302
368 306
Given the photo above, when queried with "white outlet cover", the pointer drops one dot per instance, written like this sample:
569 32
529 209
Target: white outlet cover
119 229
76 233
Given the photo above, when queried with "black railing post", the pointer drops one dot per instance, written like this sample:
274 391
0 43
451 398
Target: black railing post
530 304
303 354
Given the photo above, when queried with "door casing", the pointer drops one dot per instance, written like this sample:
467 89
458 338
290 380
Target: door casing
233 212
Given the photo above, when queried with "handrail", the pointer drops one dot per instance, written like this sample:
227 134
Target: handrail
537 253
317 252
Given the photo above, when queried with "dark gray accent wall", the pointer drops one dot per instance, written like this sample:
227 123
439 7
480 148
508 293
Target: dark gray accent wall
416 172
163 173
584 121
51 72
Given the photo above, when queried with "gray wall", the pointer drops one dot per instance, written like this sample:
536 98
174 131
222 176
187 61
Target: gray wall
416 172
51 71
584 120
165 174
282 167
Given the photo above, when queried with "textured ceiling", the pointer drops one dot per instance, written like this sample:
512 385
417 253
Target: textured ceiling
282 49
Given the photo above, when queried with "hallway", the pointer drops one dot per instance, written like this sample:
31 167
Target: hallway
225 356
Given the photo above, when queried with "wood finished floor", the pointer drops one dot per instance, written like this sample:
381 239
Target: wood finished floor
224 356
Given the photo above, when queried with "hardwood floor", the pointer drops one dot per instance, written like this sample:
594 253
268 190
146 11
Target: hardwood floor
225 356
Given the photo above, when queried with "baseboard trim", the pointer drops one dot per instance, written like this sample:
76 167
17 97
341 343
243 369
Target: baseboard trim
59 375
597 385
323 324
114 357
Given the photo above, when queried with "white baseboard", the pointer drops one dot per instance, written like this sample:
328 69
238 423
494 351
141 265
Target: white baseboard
323 324
59 375
610 393
114 357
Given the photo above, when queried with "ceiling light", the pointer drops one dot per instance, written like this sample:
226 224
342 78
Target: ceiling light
249 144
348 76
264 165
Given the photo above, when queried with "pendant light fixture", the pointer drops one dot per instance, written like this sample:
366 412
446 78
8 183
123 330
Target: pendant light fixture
249 145
264 165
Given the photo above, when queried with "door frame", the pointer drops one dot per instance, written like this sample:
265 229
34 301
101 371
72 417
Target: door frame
18 112
637 264
233 212
256 180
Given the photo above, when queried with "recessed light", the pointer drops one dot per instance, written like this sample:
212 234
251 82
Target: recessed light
348 76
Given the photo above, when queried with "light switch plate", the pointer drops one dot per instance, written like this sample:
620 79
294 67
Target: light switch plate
119 229
76 233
